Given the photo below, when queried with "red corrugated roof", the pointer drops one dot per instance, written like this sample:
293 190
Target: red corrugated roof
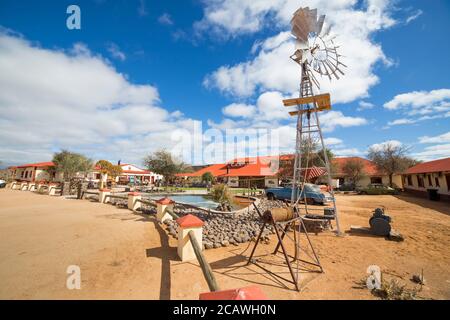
136 171
251 167
430 166
369 167
37 164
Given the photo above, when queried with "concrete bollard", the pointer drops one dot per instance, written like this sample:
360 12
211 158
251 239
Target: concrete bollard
185 224
133 203
102 195
245 293
24 186
32 186
13 185
162 205
52 189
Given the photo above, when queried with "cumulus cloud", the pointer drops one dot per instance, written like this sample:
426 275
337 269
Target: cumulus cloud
271 68
364 105
239 110
420 106
379 146
443 138
434 152
333 119
52 99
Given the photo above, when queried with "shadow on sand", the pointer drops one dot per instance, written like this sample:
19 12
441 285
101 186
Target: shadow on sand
166 256
440 206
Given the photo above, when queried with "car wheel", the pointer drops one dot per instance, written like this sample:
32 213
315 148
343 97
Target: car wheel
270 196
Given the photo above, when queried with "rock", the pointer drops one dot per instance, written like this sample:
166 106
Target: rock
225 243
418 278
209 245
217 244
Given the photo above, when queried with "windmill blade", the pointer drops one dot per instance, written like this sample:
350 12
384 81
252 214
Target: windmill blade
327 73
312 19
326 31
319 25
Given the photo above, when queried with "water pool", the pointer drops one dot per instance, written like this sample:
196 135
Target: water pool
194 199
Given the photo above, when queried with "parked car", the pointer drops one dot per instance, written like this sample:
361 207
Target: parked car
312 193
2 183
347 186
377 188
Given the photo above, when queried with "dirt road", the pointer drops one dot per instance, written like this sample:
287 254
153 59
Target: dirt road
122 255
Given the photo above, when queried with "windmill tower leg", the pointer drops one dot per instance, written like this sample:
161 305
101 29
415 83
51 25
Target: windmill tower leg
308 136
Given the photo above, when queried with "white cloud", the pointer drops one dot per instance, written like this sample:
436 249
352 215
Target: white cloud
364 105
52 99
420 99
271 68
348 152
414 16
237 110
420 106
333 119
332 141
379 146
443 138
165 19
434 152
115 52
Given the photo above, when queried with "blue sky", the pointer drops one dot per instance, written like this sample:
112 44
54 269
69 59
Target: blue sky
138 71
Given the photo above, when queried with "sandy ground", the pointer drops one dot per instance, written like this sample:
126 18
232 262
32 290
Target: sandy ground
128 256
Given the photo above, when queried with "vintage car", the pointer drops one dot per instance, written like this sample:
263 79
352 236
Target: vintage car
311 192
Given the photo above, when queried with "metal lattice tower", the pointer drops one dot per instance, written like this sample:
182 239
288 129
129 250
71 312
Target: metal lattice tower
316 53
309 141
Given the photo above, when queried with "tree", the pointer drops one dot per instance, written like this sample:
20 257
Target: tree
391 158
70 163
107 168
316 158
207 177
354 169
162 162
115 171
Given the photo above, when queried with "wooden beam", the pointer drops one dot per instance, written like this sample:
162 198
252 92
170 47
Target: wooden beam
293 113
320 98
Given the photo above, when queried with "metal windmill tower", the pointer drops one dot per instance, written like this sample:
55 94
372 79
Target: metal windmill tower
316 53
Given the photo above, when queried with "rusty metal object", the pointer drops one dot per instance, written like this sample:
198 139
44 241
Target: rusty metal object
278 214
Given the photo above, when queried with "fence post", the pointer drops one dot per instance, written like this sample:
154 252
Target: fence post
102 195
245 293
133 203
185 225
162 205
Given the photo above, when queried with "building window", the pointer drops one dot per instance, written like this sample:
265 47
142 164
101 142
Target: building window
447 179
22 174
429 180
420 182
436 180
410 181
376 180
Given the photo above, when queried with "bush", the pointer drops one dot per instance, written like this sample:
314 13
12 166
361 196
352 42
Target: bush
221 194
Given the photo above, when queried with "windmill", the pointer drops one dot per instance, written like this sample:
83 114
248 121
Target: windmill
317 54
